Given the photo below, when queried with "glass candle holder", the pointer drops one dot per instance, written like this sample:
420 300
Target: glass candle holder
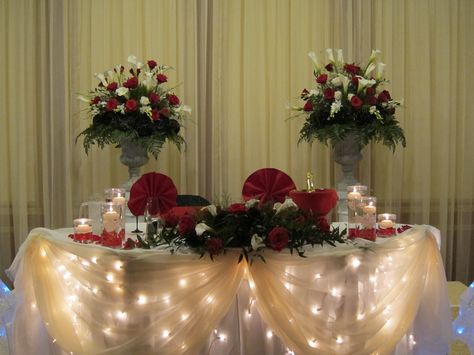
386 225
113 231
152 216
365 219
82 230
115 195
354 204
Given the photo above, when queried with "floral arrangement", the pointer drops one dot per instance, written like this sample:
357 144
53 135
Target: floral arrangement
349 99
136 105
251 227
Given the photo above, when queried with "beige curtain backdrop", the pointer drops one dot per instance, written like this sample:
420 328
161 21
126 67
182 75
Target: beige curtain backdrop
238 64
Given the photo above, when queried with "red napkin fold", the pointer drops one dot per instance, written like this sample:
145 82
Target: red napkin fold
152 185
268 184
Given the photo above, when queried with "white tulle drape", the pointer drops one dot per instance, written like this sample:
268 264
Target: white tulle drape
353 299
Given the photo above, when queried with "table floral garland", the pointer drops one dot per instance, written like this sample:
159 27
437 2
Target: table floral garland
250 226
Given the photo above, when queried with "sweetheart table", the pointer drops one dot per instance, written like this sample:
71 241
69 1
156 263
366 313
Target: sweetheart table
357 298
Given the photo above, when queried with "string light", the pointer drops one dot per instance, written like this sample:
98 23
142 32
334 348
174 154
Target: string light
313 343
118 265
222 337
355 263
121 315
335 292
43 253
67 275
269 334
184 316
210 299
94 259
315 309
107 331
95 290
85 263
182 283
141 299
339 339
165 333
317 276
110 277
360 316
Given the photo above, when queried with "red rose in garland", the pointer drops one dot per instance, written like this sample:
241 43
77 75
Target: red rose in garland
173 99
356 102
154 98
162 78
308 106
214 246
111 104
278 238
186 224
352 69
171 220
112 86
321 79
237 208
329 94
131 105
152 64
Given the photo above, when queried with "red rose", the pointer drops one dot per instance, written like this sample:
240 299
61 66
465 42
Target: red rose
371 100
170 220
355 81
329 67
154 98
186 224
173 99
323 224
356 102
383 97
321 79
387 94
130 244
131 105
329 94
304 93
278 238
151 64
214 246
370 90
131 83
308 106
352 68
95 100
162 78
112 86
155 114
111 104
390 110
237 208
165 111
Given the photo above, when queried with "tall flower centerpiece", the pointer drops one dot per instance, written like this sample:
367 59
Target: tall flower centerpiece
135 110
349 108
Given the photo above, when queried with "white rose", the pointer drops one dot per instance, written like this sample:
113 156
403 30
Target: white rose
337 82
338 95
121 91
350 96
132 59
144 100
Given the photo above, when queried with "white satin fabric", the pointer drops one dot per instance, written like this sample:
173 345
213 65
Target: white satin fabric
360 298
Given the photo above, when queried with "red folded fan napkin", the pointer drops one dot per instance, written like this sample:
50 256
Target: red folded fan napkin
152 185
268 184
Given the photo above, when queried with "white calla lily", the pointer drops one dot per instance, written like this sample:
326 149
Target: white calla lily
345 82
374 55
101 77
132 60
363 83
257 242
369 69
337 82
83 98
288 203
251 203
201 228
338 95
315 60
122 91
340 56
330 55
212 209
380 69
139 65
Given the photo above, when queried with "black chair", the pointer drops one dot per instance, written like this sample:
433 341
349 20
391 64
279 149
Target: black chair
191 200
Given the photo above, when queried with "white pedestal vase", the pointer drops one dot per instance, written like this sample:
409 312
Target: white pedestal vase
347 154
134 156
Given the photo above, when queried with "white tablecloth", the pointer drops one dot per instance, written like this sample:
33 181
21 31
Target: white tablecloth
360 298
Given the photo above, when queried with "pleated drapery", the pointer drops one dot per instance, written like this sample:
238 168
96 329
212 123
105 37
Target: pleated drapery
238 64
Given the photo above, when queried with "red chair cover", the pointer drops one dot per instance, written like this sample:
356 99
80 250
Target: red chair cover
152 185
267 184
